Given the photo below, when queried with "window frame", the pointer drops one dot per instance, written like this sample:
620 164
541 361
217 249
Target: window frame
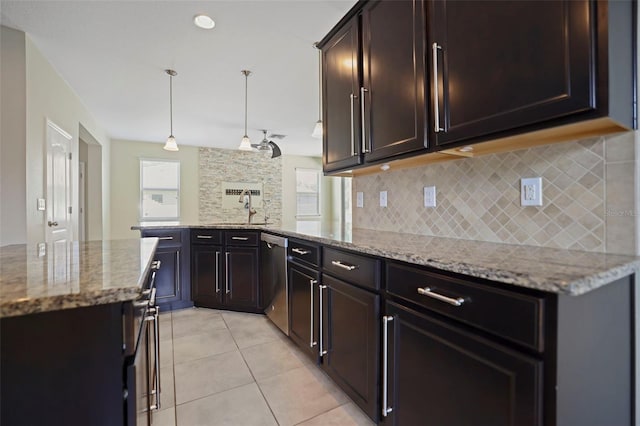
318 213
142 189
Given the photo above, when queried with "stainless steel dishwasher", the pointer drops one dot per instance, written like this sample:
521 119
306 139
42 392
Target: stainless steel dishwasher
275 286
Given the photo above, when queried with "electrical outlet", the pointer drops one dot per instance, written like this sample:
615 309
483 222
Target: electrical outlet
42 249
360 199
531 192
383 198
429 196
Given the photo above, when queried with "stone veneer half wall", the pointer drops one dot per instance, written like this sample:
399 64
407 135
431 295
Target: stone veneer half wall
589 197
218 165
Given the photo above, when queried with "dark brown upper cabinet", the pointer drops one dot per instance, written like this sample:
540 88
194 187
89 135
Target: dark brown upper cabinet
373 85
499 68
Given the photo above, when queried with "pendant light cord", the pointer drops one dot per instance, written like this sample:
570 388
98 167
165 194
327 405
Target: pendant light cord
171 102
319 83
246 97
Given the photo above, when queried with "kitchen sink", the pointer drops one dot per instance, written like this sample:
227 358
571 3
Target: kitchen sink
239 223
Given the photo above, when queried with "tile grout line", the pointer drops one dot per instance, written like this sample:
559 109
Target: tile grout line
251 372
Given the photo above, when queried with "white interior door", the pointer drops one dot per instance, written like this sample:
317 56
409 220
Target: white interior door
58 185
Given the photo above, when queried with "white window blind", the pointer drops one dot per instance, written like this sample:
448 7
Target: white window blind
159 190
307 192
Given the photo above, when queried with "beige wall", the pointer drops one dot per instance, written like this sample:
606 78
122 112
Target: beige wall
289 165
13 174
125 183
49 97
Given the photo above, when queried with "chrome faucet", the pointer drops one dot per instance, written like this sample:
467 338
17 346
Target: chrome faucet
252 211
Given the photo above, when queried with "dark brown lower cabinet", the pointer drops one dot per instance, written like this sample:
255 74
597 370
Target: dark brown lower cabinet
440 375
350 329
304 309
225 276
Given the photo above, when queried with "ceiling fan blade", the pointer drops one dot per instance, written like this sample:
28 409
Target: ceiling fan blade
275 150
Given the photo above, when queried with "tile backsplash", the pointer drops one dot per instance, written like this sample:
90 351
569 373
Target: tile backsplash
219 165
589 197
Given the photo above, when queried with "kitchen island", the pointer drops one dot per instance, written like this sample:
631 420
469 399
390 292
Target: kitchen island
517 335
66 330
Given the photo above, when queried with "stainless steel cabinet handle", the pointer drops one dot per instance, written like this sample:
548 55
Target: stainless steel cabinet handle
385 365
226 273
51 224
311 342
343 265
156 350
353 142
365 149
300 251
204 237
322 351
165 238
436 97
240 238
426 291
217 272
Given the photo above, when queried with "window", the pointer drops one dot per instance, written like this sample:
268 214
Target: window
307 192
159 190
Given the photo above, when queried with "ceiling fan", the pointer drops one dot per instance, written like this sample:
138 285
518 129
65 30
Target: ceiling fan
267 145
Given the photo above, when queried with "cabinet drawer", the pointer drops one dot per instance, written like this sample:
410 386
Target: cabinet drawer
241 238
354 268
514 316
167 237
206 236
304 252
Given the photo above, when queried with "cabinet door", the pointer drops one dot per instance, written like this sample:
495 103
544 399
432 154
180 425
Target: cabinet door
241 277
168 277
206 263
503 65
392 95
304 310
341 117
350 328
440 375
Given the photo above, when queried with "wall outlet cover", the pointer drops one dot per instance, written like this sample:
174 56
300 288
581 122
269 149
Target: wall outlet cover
531 191
360 199
429 196
383 198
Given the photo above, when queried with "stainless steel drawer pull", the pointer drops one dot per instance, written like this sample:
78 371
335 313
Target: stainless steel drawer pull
300 251
165 238
343 265
204 237
217 272
426 291
385 365
227 289
363 121
353 143
240 238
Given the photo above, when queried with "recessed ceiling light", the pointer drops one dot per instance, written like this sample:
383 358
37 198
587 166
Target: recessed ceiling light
203 21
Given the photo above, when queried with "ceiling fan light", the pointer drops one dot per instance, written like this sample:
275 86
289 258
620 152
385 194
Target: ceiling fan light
245 144
317 130
171 144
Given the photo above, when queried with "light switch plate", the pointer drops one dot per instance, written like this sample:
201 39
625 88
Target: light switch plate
360 199
429 196
42 249
383 198
41 204
531 191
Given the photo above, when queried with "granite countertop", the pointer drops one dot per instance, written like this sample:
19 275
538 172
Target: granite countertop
72 275
552 270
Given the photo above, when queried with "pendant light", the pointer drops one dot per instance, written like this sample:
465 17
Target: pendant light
317 130
171 144
245 144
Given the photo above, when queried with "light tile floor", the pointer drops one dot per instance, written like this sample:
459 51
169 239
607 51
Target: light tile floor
230 368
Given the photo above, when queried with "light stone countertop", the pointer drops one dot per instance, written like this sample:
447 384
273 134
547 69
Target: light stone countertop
551 270
72 275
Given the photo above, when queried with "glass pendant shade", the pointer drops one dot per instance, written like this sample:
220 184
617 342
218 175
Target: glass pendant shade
171 144
317 130
245 144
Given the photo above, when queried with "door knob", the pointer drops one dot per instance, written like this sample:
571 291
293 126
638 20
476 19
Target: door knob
50 223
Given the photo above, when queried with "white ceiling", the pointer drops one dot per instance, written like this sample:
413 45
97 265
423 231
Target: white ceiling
113 54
